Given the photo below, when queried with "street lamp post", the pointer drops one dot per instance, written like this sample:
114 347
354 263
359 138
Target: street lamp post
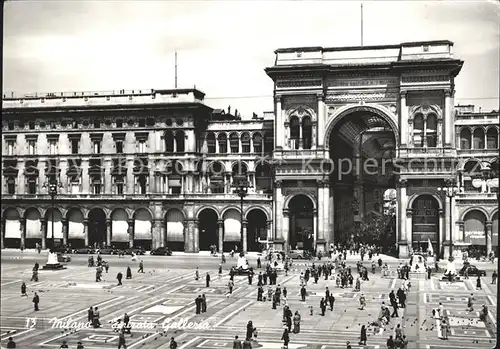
53 193
241 186
450 190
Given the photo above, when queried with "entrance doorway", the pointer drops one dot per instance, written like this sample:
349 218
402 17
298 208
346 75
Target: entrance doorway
208 229
425 224
97 228
301 210
256 230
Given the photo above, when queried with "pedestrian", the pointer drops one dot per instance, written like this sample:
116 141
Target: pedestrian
237 343
247 344
129 273
230 286
444 329
141 267
470 304
173 343
398 332
250 330
121 340
296 322
220 271
390 343
362 302
322 305
404 342
196 274
285 337
207 278
478 283
23 290
331 300
259 263
119 277
106 266
64 345
96 317
79 345
90 315
303 293
494 277
198 301
363 336
36 301
11 343
203 303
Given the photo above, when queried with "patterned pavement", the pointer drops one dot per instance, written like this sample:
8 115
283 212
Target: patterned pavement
161 295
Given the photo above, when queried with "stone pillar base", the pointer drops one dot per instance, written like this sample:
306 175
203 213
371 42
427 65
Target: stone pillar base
278 245
403 249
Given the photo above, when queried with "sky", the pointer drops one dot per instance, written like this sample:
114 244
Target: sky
224 46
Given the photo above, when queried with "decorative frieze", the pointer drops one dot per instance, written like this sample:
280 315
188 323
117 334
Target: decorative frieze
360 96
299 83
335 82
291 102
424 78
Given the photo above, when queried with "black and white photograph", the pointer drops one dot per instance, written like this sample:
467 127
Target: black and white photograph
240 174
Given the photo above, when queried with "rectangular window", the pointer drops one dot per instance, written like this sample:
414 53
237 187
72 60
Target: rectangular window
431 140
10 147
119 186
175 190
75 143
142 146
52 147
96 147
11 186
31 186
75 186
222 147
32 147
119 147
32 125
96 186
119 123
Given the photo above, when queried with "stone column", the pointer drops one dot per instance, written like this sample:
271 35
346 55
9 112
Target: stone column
285 228
448 118
320 134
440 132
269 226
461 230
278 124
320 211
220 224
315 229
162 234
107 176
64 222
408 226
86 231
130 177
279 234
324 218
85 177
131 233
43 224
41 177
442 234
489 235
403 119
188 238
196 234
21 178
3 233
108 232
151 181
244 237
403 203
23 231
63 164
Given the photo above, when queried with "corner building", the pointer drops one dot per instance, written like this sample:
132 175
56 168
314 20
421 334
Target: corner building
155 168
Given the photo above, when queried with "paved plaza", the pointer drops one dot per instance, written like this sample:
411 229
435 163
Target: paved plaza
168 289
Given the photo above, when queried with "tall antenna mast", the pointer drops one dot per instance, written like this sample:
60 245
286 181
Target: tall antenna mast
175 69
361 24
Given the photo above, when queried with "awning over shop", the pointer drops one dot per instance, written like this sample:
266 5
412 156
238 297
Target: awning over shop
175 226
232 226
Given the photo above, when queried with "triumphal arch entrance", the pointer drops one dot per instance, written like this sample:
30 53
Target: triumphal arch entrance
353 124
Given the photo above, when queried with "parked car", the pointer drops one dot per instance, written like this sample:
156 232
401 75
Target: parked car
60 249
107 251
161 251
473 271
296 254
136 251
62 258
84 250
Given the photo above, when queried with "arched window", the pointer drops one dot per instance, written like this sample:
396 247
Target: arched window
234 141
179 141
492 138
294 132
418 131
465 138
211 143
257 143
472 170
478 138
306 133
431 130
216 174
169 142
222 143
245 143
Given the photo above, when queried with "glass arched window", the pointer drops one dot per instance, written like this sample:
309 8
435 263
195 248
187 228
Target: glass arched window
211 143
234 141
222 143
169 142
179 141
418 131
492 138
465 138
294 132
245 143
306 133
431 130
478 138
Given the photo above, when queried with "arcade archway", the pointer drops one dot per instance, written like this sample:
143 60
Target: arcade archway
97 228
174 229
362 145
301 215
208 229
33 228
54 231
256 230
12 233
425 224
475 232
143 233
76 228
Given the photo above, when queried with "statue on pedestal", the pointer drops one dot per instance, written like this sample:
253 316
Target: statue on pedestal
53 262
418 263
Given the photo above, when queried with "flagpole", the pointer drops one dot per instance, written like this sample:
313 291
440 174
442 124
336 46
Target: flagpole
175 69
361 24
